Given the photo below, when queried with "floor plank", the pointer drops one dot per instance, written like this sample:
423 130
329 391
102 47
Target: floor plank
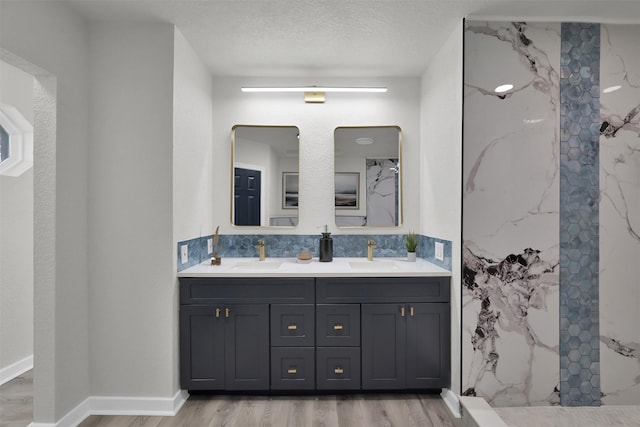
16 401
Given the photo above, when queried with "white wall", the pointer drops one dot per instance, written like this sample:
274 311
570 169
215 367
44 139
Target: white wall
33 32
192 149
317 122
192 158
132 264
441 167
16 235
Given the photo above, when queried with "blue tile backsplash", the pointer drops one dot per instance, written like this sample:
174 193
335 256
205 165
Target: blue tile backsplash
289 245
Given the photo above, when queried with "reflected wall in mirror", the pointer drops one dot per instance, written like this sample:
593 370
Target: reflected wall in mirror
264 163
374 153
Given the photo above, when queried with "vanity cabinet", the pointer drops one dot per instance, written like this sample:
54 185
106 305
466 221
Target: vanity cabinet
292 347
405 346
224 330
328 333
405 328
338 346
227 347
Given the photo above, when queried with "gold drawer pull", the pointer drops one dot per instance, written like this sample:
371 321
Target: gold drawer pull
402 311
337 327
227 312
339 371
411 311
217 312
292 327
292 371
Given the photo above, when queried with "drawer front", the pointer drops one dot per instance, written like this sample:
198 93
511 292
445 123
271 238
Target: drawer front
292 368
382 289
292 325
338 325
338 368
257 290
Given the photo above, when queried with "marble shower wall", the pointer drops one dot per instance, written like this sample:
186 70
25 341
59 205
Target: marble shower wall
382 192
511 213
620 215
551 214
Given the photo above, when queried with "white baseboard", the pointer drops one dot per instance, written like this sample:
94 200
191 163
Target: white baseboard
109 405
16 369
452 401
168 406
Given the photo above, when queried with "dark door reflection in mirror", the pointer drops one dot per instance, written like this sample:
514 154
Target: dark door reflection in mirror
374 154
247 194
264 159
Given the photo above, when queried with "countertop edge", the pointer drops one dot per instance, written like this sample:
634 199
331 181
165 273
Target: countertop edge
338 268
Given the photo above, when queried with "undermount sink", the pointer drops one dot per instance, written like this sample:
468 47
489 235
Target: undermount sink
373 265
257 264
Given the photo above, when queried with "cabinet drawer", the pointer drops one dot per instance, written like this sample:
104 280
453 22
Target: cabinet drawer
333 290
338 325
292 325
292 368
258 290
338 368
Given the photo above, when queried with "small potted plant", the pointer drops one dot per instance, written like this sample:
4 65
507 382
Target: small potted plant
411 243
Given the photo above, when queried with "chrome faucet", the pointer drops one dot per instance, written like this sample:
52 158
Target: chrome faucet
260 248
370 246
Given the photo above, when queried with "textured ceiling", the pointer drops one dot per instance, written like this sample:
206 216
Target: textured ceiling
335 37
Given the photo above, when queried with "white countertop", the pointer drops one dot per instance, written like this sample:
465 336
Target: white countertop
339 267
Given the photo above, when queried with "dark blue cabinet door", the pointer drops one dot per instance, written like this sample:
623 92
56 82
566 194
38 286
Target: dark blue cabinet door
383 346
428 346
247 347
201 348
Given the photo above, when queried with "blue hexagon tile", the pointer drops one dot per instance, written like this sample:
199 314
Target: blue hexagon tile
289 245
579 219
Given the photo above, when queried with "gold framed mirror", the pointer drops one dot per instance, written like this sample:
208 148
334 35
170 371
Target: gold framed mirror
368 176
264 176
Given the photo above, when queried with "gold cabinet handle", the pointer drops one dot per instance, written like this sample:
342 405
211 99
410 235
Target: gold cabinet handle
292 327
338 370
337 327
402 311
217 312
292 371
227 312
411 311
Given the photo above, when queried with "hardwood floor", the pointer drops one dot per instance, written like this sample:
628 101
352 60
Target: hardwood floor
338 411
16 401
16 410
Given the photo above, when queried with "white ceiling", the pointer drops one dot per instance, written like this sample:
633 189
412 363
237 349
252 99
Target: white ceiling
340 38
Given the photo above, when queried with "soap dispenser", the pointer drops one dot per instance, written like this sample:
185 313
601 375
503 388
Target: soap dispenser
326 246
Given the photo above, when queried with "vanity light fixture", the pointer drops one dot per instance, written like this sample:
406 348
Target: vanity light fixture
503 88
315 94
